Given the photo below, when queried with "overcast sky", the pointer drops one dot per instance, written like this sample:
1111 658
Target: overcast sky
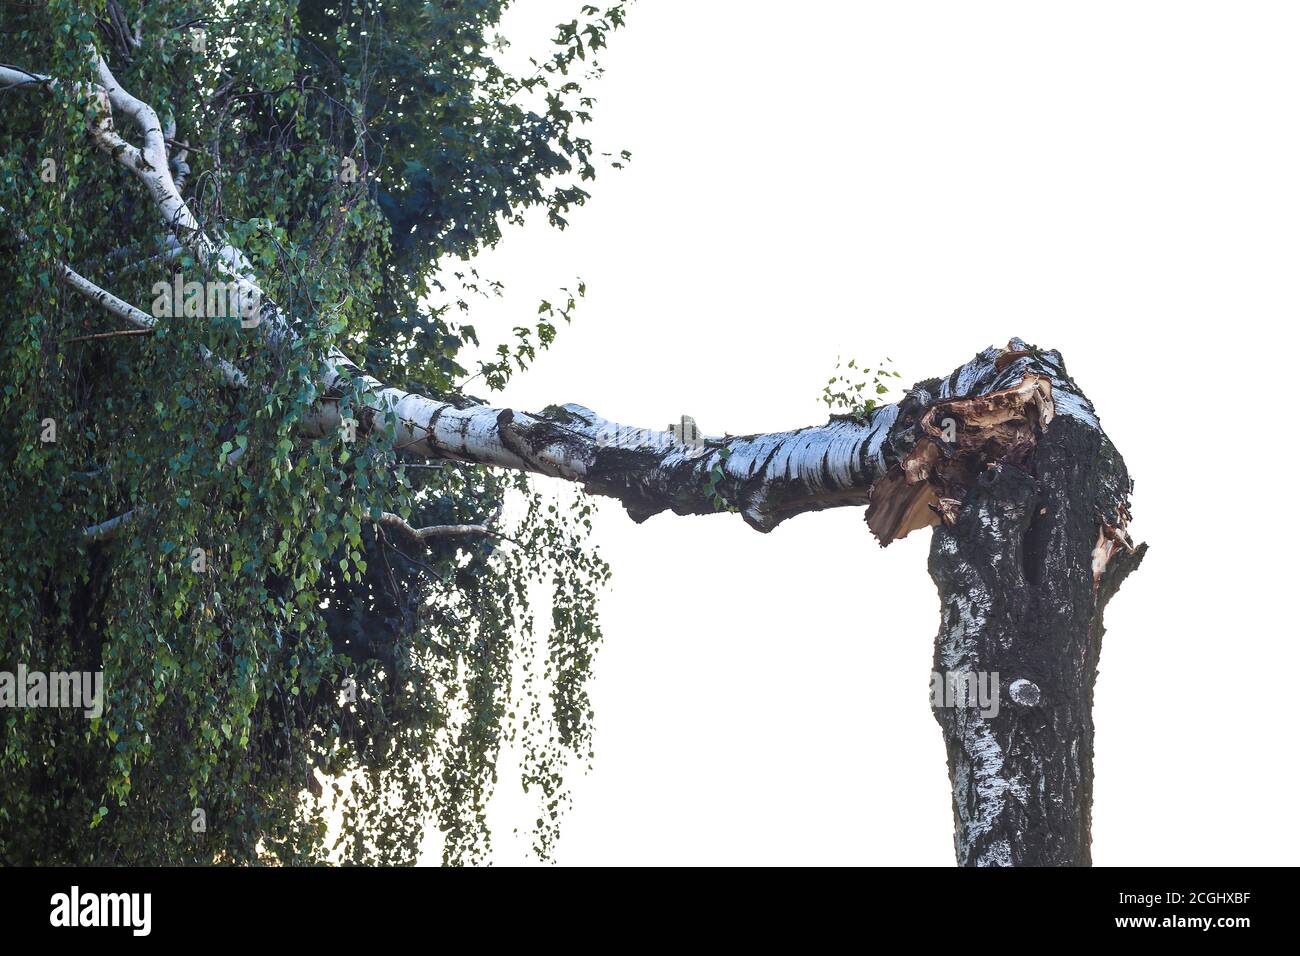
920 181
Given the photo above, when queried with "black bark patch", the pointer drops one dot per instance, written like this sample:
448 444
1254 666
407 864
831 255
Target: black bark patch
1033 551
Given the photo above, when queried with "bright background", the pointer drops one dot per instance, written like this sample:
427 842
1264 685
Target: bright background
1117 180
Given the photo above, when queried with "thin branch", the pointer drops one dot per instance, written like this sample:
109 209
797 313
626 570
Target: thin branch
108 335
131 256
147 323
391 520
109 528
78 283
17 76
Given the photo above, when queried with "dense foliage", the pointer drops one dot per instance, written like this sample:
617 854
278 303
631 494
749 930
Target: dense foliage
257 632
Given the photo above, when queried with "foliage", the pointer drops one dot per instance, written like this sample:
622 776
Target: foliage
851 392
713 482
305 643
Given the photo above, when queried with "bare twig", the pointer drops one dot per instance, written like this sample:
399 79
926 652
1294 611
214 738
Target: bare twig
108 335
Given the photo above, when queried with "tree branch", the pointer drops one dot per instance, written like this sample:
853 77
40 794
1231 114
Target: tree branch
390 520
901 461
107 335
109 528
145 322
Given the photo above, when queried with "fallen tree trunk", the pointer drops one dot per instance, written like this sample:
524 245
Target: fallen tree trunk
1006 459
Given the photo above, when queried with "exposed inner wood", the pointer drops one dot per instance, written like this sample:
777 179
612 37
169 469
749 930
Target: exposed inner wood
1110 538
959 438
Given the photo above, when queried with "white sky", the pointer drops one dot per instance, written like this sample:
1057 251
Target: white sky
921 180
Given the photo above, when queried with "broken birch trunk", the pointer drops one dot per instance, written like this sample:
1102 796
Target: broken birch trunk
1024 573
1005 458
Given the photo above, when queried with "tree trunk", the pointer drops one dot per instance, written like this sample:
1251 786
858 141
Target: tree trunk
1023 576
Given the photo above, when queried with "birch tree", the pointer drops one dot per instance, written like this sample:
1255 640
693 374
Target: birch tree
248 479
